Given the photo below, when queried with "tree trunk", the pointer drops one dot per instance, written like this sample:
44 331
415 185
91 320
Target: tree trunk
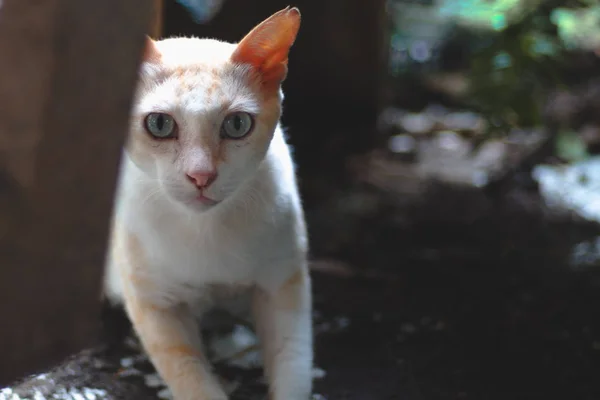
69 68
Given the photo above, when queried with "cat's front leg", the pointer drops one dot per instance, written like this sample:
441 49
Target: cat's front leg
283 318
170 337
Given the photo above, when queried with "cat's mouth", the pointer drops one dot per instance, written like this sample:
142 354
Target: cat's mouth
207 201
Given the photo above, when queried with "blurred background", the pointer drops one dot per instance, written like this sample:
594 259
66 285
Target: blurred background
448 156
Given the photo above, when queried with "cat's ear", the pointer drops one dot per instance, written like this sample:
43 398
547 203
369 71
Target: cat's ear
266 47
151 53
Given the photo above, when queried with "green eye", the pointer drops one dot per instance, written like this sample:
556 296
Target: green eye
237 125
160 125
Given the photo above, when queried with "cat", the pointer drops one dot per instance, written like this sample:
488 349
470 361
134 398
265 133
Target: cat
208 208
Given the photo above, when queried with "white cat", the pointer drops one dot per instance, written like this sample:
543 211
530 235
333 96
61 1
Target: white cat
208 209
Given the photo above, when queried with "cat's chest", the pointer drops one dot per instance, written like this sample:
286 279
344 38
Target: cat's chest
197 256
201 257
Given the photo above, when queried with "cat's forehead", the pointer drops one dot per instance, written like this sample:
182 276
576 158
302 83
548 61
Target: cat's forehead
184 52
196 74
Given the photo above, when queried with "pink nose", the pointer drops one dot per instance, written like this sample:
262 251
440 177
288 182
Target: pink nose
202 179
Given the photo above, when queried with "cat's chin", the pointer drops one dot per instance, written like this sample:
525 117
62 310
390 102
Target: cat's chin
206 201
199 203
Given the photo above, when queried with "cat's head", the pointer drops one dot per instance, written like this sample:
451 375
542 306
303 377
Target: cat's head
205 111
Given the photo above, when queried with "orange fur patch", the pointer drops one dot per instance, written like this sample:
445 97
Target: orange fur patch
137 260
266 47
291 293
212 88
151 53
183 351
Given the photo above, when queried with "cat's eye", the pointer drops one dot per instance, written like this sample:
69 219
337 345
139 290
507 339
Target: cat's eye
160 125
237 125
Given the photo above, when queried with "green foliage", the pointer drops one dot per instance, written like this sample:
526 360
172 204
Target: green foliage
511 76
517 49
577 23
570 147
484 14
579 28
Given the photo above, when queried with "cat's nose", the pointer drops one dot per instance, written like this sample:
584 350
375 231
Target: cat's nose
202 179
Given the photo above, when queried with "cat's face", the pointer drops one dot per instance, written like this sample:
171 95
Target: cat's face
205 111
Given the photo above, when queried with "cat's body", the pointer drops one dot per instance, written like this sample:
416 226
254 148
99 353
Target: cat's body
250 237
208 209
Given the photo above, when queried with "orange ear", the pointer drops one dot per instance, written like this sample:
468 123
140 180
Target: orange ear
151 53
266 47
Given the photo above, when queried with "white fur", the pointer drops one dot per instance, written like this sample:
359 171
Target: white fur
255 237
